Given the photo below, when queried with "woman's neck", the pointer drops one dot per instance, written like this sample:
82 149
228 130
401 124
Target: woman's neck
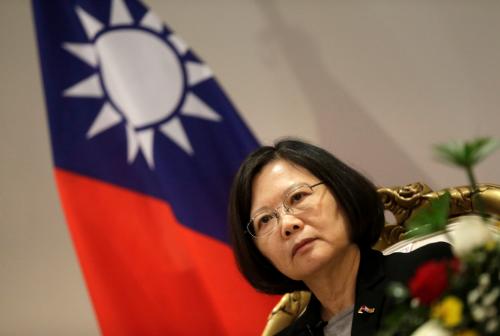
335 285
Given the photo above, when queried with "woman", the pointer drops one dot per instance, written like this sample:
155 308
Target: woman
302 220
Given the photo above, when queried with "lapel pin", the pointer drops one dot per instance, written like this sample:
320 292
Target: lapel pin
365 309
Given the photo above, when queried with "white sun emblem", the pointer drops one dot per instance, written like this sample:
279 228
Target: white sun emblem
145 83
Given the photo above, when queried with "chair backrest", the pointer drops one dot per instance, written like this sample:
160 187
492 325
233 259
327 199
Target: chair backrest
402 202
411 244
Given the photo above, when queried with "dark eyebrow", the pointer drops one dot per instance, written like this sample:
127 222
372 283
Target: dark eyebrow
260 210
283 195
295 185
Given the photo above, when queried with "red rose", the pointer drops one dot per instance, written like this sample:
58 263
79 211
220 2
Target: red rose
454 265
431 280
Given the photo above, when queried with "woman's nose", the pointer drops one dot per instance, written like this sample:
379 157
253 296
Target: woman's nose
290 224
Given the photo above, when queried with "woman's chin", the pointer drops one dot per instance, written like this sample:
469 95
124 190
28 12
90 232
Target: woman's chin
308 264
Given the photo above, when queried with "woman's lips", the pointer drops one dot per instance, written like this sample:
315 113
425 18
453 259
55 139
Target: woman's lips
301 244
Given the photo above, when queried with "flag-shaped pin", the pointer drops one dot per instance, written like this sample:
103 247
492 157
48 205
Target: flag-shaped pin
366 310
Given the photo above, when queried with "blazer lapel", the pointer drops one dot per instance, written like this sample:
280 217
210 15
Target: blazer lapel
370 294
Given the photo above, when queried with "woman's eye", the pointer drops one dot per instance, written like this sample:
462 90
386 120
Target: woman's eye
297 197
265 219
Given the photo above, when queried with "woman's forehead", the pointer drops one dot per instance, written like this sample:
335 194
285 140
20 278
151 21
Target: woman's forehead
275 179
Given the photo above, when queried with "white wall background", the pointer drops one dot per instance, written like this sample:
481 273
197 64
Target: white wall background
375 82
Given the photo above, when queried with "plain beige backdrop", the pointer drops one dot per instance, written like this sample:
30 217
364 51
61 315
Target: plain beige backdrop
376 82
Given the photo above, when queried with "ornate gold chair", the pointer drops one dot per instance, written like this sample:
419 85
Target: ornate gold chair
402 202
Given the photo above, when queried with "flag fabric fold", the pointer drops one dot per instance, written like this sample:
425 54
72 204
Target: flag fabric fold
145 144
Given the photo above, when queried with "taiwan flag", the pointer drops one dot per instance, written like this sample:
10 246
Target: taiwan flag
145 145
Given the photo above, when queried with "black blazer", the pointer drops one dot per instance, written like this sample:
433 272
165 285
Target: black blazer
375 272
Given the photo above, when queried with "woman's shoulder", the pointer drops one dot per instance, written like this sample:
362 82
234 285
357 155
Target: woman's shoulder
400 266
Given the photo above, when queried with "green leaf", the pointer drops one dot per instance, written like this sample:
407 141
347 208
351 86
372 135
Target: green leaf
468 153
452 153
429 219
484 148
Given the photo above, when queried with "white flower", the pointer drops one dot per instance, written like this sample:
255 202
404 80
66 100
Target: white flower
470 232
478 313
414 303
492 325
473 296
484 280
491 297
431 328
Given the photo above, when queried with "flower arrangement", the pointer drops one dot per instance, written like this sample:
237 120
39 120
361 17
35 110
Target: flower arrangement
460 296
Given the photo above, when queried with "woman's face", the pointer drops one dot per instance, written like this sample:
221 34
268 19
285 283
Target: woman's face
306 243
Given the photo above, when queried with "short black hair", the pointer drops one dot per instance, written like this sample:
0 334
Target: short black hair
356 195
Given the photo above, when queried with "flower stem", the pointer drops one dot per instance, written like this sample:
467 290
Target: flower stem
475 192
